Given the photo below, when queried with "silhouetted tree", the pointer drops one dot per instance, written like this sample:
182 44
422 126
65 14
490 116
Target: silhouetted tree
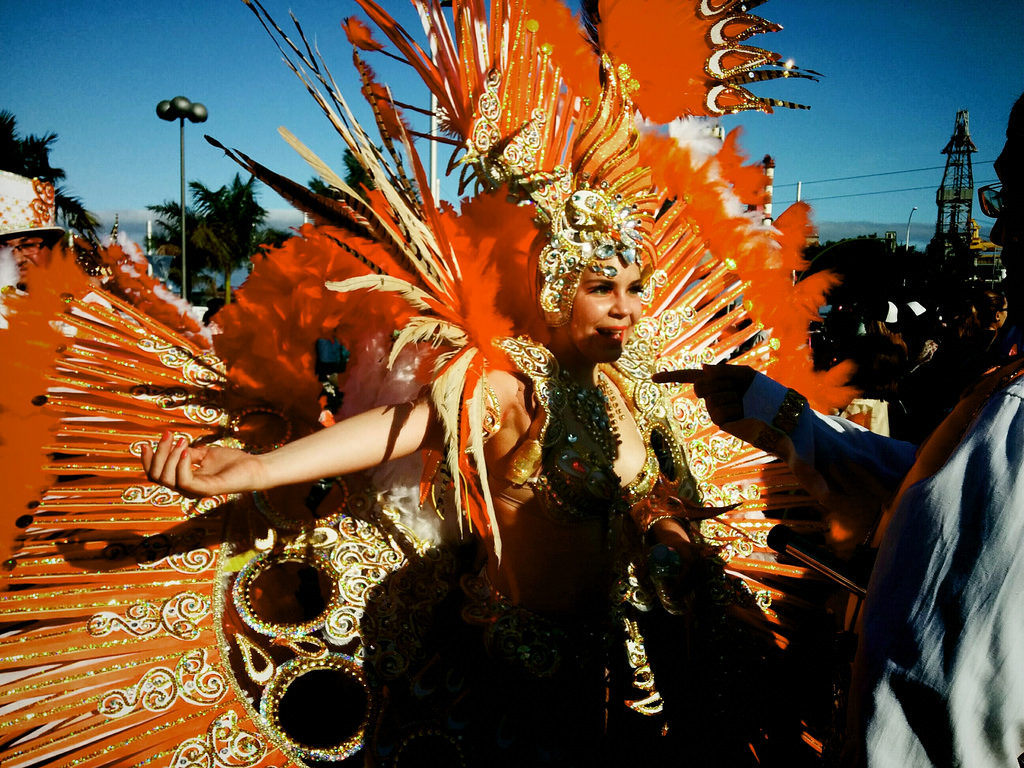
30 156
224 228
355 176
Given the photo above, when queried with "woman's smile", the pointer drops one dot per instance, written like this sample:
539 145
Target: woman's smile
604 312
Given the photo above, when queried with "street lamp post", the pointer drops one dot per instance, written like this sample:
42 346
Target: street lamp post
178 109
906 244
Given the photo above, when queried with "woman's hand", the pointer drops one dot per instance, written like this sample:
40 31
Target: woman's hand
207 470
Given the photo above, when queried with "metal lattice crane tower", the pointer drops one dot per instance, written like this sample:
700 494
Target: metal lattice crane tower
956 193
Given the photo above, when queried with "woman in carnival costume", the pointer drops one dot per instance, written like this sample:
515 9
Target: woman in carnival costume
577 570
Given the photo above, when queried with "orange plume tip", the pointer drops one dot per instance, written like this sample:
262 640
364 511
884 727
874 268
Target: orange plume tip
359 35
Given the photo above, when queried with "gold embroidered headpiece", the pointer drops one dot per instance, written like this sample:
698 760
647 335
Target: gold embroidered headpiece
596 213
593 228
604 216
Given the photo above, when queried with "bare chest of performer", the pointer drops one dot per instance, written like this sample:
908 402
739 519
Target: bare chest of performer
565 466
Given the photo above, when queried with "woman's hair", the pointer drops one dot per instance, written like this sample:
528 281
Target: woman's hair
988 305
881 359
978 313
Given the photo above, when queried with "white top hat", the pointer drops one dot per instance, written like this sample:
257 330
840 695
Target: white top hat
27 208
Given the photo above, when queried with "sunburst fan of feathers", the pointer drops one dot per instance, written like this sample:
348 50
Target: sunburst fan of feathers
449 281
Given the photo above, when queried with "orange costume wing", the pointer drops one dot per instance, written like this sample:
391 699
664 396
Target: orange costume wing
723 290
142 627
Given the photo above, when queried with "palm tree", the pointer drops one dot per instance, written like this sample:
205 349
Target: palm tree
224 226
30 156
166 240
356 176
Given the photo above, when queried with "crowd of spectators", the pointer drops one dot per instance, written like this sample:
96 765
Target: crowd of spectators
913 362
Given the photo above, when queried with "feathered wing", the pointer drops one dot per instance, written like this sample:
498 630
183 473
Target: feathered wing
724 290
142 627
188 660
108 597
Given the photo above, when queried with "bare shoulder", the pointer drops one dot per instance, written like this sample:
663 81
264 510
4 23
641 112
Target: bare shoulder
513 402
508 387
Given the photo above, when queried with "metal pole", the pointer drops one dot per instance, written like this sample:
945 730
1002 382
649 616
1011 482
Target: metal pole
435 183
184 271
178 109
906 243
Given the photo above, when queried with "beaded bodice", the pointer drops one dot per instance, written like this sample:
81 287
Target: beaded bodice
573 472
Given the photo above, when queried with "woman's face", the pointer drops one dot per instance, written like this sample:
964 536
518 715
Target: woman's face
604 312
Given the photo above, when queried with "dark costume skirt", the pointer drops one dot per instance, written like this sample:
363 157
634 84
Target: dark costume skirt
499 685
502 686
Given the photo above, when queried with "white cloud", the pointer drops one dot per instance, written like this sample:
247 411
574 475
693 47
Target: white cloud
133 222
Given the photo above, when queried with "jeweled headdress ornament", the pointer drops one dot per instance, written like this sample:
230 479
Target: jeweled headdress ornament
593 228
595 214
605 216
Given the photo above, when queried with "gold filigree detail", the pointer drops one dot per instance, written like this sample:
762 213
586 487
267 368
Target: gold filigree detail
177 616
630 588
535 360
224 745
140 620
320 537
151 495
194 508
702 463
724 447
192 562
155 692
657 280
685 414
643 676
162 397
257 662
308 647
205 370
193 680
362 560
203 414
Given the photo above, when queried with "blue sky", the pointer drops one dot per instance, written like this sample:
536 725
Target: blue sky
895 75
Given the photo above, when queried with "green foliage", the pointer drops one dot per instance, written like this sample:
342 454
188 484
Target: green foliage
356 176
224 227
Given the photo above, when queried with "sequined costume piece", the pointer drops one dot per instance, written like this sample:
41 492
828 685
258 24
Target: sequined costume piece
573 471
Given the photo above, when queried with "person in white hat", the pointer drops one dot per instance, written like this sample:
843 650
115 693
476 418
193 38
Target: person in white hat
28 228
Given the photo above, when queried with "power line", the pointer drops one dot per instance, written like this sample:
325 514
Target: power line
873 175
813 199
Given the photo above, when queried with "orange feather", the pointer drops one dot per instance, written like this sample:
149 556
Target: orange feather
359 35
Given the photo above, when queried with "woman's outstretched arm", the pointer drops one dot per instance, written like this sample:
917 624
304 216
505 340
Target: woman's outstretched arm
360 442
